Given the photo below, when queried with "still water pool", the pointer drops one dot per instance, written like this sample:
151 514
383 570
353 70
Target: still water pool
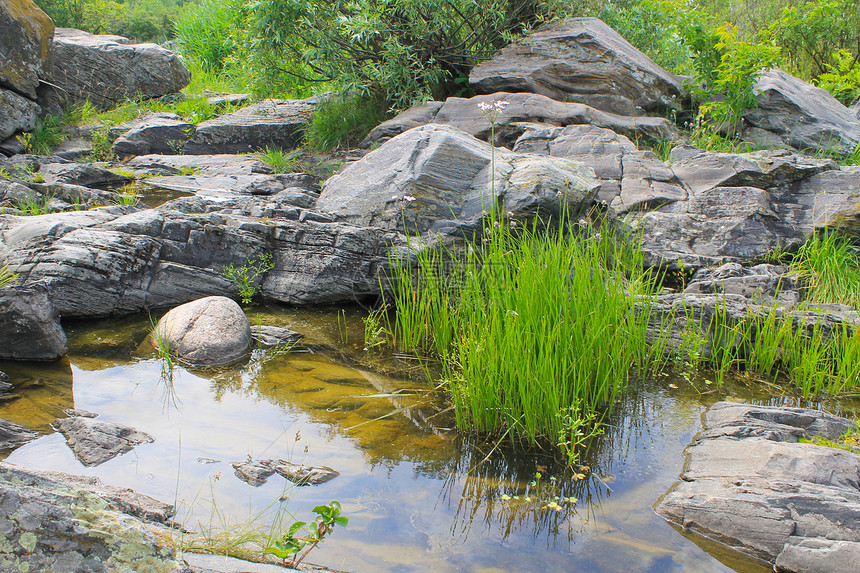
418 497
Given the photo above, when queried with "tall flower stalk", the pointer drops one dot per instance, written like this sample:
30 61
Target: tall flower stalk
492 110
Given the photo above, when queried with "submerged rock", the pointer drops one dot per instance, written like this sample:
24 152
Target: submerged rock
12 435
747 482
29 328
254 473
210 331
257 472
95 442
274 335
581 60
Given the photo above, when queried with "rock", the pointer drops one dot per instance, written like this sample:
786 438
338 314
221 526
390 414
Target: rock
437 178
220 186
855 108
713 207
94 442
57 522
159 135
803 116
13 435
580 60
269 123
210 165
110 261
747 482
523 109
5 385
74 149
304 475
72 412
274 335
761 283
29 329
210 331
254 473
24 47
106 70
17 114
225 99
83 174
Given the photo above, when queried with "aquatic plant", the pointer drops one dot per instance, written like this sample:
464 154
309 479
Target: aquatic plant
245 277
293 548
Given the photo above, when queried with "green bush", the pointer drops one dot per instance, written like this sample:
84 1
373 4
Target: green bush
343 120
139 20
206 33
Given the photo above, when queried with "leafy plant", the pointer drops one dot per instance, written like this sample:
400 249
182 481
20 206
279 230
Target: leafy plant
245 277
7 277
842 78
302 537
102 144
47 135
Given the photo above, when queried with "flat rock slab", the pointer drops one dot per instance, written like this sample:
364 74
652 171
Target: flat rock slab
225 165
465 114
95 442
271 122
581 60
12 435
747 482
83 174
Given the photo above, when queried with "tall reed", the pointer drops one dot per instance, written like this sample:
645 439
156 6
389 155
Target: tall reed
527 324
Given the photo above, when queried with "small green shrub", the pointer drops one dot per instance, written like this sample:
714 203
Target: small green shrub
843 77
343 121
293 548
245 277
102 144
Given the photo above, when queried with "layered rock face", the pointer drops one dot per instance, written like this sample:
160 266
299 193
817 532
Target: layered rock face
25 44
29 328
748 483
580 60
106 70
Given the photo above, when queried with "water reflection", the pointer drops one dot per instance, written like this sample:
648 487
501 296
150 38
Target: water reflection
418 497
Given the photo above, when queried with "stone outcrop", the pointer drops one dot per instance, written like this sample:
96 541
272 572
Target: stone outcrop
437 178
580 60
94 442
29 329
759 283
747 482
802 116
24 47
210 331
17 113
522 109
159 134
106 70
12 435
271 122
81 174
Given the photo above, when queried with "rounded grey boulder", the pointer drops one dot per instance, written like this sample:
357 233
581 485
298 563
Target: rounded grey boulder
210 331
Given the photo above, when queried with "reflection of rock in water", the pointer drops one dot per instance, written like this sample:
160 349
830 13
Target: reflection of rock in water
39 394
256 473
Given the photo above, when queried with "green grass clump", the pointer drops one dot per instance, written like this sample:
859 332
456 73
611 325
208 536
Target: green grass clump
343 121
34 205
829 266
7 277
528 326
279 160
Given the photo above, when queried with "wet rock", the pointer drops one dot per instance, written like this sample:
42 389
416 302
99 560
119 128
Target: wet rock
580 60
24 46
95 442
304 475
254 473
159 135
17 114
274 336
12 435
436 177
523 109
747 482
803 116
106 70
83 174
257 472
760 283
29 329
57 522
72 412
210 331
271 122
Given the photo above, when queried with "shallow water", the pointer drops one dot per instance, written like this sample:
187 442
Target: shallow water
418 497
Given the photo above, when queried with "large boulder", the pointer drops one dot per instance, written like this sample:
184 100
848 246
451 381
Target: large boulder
210 331
106 70
748 483
522 110
29 329
438 178
802 116
581 60
271 122
17 113
25 47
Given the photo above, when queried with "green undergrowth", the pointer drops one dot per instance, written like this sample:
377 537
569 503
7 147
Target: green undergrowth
528 326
